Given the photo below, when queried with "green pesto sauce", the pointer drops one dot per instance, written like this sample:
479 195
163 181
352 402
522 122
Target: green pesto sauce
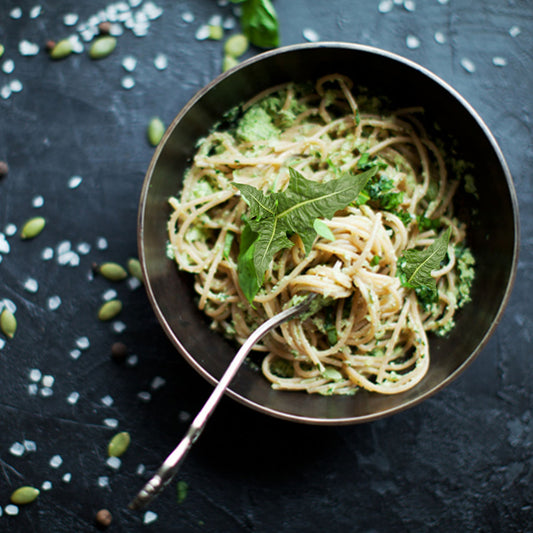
256 125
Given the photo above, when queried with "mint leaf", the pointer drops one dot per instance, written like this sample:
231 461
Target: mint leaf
415 266
259 23
275 217
322 229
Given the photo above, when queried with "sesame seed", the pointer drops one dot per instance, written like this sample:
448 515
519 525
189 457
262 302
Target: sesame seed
74 182
514 31
35 375
35 11
141 469
46 392
83 343
33 389
118 326
8 66
385 6
116 30
148 517
129 63
15 13
184 416
10 230
5 92
88 34
53 302
67 477
4 245
9 304
103 481
187 17
73 398
76 44
133 283
11 509
409 5
83 248
48 381
135 3
31 285
17 449
26 48
439 37
37 201
157 383
468 65
127 82
499 61
56 461
144 396
132 360
109 295
63 247
107 401
443 1
75 354
47 485
114 463
101 243
70 19
152 11
30 446
412 42
202 33
111 422
310 35
229 23
15 86
47 254
161 62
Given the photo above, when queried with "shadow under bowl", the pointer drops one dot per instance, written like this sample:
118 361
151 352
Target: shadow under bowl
493 231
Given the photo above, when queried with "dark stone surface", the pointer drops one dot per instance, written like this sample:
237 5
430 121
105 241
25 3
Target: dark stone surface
460 461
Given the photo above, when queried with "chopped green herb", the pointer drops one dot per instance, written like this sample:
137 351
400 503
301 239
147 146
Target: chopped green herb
282 368
182 488
375 260
228 241
259 23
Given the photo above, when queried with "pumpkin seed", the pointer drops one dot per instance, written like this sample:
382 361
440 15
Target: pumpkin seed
102 47
8 323
155 131
118 444
332 373
109 310
216 32
113 271
134 268
1 50
61 49
32 228
236 45
24 495
229 62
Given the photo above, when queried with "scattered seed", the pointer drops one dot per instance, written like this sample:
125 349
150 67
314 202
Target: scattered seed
15 86
47 485
111 422
109 310
102 47
144 396
17 449
385 6
236 45
127 82
412 42
67 477
141 469
104 27
56 461
134 268
49 45
5 92
4 245
35 11
202 33
15 13
161 62
118 444
75 354
4 169
157 383
11 510
409 5
82 343
32 389
8 66
48 381
30 446
119 326
107 401
229 23
155 131
103 481
187 17
35 375
514 31
70 19
112 271
129 63
310 35
74 182
229 62
103 518
24 495
109 295
26 48
132 360
46 392
133 283
61 50
119 352
53 302
499 61
181 488
83 248
148 517
439 37
8 323
37 201
468 65
73 398
114 463
47 254
101 243
10 230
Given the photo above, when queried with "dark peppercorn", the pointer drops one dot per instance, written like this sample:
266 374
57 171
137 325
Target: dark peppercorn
104 27
4 168
119 351
104 518
50 44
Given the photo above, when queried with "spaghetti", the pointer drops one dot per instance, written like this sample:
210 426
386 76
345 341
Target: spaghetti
371 332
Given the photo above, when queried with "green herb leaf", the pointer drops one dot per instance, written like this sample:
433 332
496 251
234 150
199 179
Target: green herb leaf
275 217
228 241
322 229
415 266
259 23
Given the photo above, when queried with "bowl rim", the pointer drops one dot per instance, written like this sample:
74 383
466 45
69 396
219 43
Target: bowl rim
174 338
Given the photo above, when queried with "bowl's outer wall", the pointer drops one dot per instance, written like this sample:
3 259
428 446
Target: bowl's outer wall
492 234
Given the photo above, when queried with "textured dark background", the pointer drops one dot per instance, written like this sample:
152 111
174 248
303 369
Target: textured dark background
461 461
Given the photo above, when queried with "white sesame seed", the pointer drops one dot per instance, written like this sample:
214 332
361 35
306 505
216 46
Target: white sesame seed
26 48
103 481
161 62
74 182
73 259
132 360
11 509
152 10
46 392
127 82
10 230
412 42
385 6
229 23
35 11
116 30
31 285
114 463
409 5
75 44
133 283
15 86
15 13
75 354
499 61
70 19
111 422
129 63
83 343
35 375
107 401
8 66
310 35
148 517
33 389
443 1
135 3
144 396
9 304
141 469
109 295
47 485
5 92
73 398
48 381
157 383
468 65
17 449
67 477
37 201
53 302
4 245
514 31
439 37
83 248
118 326
183 416
63 247
47 254
30 446
88 34
187 16
202 33
56 461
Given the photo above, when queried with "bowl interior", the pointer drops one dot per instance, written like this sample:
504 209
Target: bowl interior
493 239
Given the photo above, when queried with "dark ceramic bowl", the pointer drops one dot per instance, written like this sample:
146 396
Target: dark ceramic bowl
493 239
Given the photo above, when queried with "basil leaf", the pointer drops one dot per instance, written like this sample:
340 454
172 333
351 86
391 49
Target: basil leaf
415 266
247 273
259 22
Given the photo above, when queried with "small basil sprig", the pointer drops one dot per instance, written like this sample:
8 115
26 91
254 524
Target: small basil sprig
273 218
259 22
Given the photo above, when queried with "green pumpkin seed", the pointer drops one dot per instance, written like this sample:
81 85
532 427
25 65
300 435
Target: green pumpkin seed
216 32
113 271
109 310
229 62
332 373
236 45
32 228
61 49
102 47
155 131
24 495
8 323
118 444
1 50
134 268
